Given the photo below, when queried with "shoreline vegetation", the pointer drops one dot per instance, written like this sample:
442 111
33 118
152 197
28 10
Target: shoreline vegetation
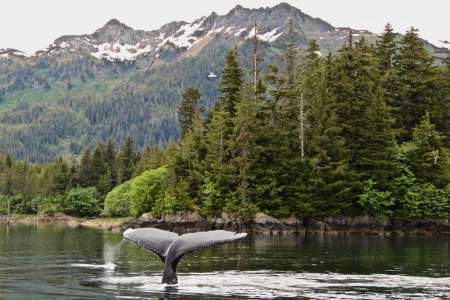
310 144
261 224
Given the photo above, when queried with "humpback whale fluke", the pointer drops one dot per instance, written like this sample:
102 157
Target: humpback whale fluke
170 247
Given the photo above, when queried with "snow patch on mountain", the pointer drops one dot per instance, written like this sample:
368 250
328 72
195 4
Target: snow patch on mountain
64 45
240 31
118 51
271 36
184 36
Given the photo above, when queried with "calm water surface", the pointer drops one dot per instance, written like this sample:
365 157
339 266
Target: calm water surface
48 262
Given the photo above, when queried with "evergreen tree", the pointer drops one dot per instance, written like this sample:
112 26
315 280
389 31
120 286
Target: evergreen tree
126 161
292 108
429 158
443 114
84 172
257 58
386 49
311 86
416 78
386 53
230 85
110 161
218 174
243 145
62 177
189 109
98 165
290 55
332 179
151 158
363 114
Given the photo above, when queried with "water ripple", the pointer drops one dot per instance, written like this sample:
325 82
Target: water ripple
269 285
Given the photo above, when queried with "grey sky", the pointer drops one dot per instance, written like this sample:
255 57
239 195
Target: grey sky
30 25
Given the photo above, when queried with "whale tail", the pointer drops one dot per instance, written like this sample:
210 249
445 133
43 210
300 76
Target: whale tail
171 247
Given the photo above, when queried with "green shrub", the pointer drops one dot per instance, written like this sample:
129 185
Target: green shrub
82 202
212 196
3 205
36 202
375 202
49 206
426 201
21 204
167 205
117 202
240 209
146 190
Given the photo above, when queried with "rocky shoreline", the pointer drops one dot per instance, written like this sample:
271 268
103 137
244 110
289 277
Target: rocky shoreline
110 224
264 224
260 224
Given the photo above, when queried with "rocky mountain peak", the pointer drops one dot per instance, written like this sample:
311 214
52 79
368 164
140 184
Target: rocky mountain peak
113 30
114 22
238 9
284 6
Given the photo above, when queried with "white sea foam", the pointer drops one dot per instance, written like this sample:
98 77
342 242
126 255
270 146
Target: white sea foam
270 284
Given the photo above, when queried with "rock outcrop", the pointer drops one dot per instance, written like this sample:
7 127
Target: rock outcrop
267 225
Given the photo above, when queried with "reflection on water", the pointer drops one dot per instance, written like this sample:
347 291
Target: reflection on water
61 263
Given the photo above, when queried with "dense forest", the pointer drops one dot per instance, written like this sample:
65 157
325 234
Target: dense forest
362 131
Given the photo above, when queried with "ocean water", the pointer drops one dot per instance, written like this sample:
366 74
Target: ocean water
53 262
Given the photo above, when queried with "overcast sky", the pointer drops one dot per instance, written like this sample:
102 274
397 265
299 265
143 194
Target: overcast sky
30 25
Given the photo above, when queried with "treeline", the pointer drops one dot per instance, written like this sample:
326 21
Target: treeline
364 131
75 189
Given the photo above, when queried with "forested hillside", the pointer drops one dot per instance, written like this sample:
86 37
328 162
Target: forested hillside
119 82
365 130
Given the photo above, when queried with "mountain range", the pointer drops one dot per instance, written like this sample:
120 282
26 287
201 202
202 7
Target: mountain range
119 82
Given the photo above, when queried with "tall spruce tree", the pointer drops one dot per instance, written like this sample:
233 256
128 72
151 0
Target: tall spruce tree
231 82
331 180
386 49
84 172
98 164
189 109
243 143
416 80
126 160
363 113
386 53
110 161
62 178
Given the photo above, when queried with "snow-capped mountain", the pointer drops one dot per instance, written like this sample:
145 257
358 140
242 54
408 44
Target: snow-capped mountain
117 41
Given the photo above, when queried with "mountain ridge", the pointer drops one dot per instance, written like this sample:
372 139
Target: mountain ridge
117 41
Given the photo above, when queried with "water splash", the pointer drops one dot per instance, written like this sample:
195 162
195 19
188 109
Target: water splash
270 285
